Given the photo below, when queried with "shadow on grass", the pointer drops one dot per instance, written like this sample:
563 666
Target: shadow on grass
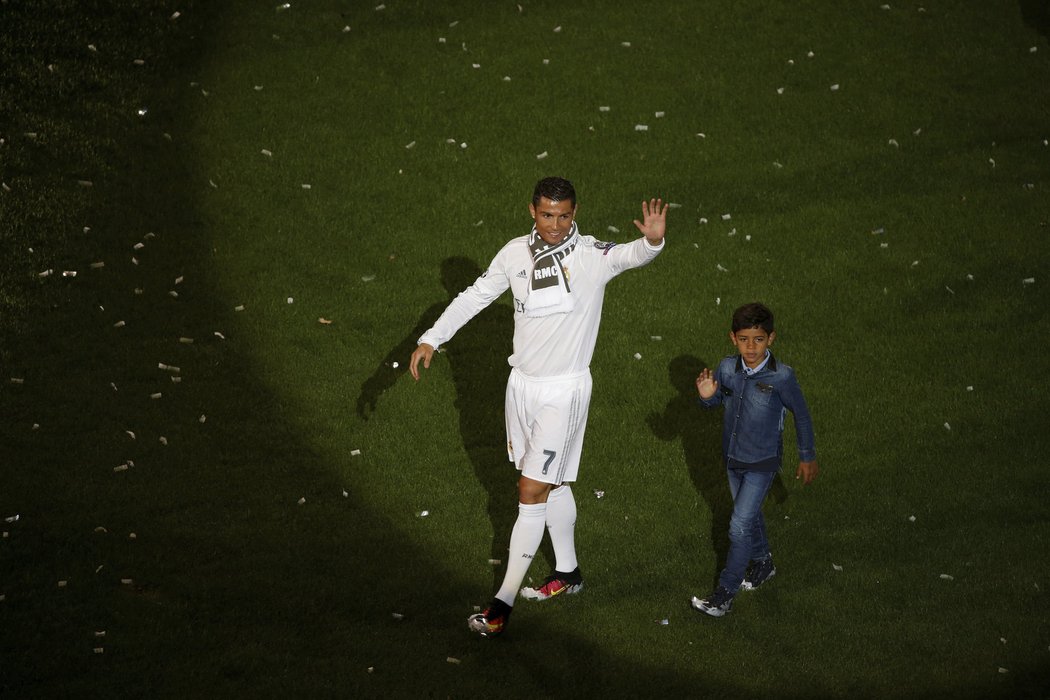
477 358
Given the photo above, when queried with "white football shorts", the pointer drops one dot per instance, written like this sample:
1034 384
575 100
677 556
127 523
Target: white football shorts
546 419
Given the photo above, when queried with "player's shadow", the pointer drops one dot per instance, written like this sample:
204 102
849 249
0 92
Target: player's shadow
700 430
477 357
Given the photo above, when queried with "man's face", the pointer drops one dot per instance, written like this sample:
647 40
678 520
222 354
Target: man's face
553 219
752 344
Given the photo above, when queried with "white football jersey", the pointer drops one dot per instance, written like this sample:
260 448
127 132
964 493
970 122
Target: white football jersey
559 344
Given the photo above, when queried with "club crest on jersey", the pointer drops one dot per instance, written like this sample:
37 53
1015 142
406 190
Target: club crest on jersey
602 245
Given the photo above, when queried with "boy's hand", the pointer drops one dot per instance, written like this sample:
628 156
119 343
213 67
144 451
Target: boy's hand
807 471
706 384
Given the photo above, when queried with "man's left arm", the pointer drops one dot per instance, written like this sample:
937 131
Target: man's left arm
640 251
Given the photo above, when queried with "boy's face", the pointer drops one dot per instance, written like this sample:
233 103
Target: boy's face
752 344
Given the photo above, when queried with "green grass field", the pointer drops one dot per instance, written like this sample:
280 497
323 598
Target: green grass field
208 492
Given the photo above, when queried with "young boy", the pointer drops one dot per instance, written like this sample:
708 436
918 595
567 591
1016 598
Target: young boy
756 391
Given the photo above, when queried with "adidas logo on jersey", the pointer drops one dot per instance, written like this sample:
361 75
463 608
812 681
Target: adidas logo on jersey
522 274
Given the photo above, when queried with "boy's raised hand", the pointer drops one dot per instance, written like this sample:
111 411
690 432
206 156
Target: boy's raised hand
706 384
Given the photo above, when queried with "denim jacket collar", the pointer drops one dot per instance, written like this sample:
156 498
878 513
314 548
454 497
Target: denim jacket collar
771 366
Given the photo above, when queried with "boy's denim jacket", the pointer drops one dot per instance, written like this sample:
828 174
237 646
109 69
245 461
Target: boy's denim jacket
753 421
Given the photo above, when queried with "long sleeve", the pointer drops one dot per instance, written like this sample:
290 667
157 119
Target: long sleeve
468 304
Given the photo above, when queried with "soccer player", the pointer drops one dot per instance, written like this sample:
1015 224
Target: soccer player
557 276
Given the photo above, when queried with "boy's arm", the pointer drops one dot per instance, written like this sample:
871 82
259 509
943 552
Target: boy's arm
794 401
707 388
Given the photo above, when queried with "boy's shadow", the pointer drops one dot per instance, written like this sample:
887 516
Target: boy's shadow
701 433
477 357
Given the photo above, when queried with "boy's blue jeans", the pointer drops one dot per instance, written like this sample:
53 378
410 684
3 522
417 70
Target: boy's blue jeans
747 527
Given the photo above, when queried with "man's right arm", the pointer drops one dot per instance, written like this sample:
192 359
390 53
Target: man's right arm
468 304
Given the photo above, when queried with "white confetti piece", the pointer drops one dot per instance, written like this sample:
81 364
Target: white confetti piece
395 365
282 7
1002 639
835 87
99 650
218 335
612 229
306 186
422 513
120 468
186 341
202 419
506 78
541 156
911 518
546 61
290 300
720 268
476 65
1003 670
239 307
659 115
127 581
13 518
175 15
914 263
656 337
810 54
410 144
397 616
97 265
92 48
441 40
641 127
557 29
637 355
130 434
780 91
45 273
664 622
380 7
947 577
604 108
355 453
726 217
62 583
969 388
18 380
947 426
495 562
302 500
916 132
463 145
893 142
212 184
346 494
100 633
156 395
1033 49
992 162
69 273
703 219
452 660
368 278
599 494
168 368
625 44
1028 280
163 440
267 152
836 567
173 294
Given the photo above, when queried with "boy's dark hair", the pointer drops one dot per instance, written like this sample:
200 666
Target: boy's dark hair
556 189
753 315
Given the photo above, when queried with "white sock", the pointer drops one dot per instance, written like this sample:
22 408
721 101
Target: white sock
561 522
525 539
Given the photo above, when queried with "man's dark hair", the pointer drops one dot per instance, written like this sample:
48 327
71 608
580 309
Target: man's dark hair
556 189
753 315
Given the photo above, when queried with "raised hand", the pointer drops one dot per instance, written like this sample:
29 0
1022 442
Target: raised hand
706 384
654 220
